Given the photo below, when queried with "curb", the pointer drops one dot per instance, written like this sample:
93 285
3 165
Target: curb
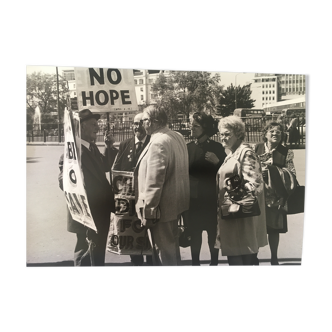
99 144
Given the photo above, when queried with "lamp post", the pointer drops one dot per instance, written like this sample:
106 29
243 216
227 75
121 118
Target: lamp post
57 89
235 91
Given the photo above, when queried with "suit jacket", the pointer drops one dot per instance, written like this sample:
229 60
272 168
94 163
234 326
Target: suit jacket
125 160
162 177
98 189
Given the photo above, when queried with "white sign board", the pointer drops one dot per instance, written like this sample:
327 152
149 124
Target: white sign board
105 89
73 185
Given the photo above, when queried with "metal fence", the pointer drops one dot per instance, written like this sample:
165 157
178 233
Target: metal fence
122 131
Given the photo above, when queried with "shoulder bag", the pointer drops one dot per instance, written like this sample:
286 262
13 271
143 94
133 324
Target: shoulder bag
238 203
295 202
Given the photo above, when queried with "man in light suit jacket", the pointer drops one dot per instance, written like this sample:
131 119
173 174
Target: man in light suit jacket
129 152
162 185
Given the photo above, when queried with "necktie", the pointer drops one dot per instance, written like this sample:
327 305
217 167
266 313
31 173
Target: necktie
94 150
138 149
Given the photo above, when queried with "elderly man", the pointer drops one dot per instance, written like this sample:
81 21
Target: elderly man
129 152
162 186
98 190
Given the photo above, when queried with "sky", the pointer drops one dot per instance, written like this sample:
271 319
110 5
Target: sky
226 77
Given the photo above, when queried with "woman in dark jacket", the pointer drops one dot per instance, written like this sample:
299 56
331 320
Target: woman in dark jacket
205 158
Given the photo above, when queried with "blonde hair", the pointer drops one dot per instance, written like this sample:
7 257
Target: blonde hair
235 124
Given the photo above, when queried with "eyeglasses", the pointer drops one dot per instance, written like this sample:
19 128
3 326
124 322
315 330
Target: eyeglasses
225 135
138 123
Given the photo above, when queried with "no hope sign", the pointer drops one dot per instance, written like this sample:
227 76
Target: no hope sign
105 89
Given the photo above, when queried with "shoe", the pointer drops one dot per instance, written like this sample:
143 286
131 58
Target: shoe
274 261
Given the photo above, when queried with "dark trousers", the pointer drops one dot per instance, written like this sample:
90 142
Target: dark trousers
138 260
81 253
196 243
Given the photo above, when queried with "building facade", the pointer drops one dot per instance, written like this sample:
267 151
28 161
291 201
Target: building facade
272 88
144 80
265 89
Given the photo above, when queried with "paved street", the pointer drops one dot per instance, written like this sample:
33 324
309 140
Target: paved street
49 243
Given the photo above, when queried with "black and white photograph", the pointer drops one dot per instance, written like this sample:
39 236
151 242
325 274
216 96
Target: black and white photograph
225 157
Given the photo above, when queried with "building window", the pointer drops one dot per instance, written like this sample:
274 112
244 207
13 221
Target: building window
273 98
140 81
74 86
135 81
272 85
270 92
273 91
263 86
262 92
269 98
142 89
74 93
142 97
262 98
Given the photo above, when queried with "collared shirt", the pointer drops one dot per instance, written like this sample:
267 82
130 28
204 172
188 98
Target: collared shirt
143 140
85 143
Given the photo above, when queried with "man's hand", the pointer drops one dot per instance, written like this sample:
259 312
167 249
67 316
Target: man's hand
108 139
148 223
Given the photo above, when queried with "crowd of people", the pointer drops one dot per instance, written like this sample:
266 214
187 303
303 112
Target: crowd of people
235 191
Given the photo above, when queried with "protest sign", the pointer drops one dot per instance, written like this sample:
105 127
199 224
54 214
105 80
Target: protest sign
105 90
73 186
126 235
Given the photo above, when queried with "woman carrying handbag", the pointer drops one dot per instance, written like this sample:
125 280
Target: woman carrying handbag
241 207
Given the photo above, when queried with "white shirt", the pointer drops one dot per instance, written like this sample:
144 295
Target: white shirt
85 143
137 140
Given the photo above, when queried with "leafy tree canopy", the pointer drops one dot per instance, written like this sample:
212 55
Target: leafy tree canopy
187 92
234 97
41 90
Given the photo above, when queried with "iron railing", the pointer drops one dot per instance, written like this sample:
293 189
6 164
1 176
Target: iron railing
122 131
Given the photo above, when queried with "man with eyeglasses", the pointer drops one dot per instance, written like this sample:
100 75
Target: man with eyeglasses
129 152
162 186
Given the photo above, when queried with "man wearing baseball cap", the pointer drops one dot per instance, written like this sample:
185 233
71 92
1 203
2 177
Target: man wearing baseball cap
98 190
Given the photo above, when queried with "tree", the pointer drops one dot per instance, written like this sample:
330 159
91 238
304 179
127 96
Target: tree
41 90
187 92
234 97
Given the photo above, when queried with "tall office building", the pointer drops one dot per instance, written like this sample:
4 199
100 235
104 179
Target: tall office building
265 89
272 88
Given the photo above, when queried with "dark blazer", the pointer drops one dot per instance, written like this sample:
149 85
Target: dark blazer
125 160
98 189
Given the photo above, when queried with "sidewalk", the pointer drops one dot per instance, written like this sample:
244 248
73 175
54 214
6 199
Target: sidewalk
49 243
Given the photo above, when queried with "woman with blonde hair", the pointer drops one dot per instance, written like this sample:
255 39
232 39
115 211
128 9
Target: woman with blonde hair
239 179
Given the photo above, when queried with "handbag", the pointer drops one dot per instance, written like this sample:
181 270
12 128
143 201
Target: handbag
295 202
237 202
184 234
247 207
